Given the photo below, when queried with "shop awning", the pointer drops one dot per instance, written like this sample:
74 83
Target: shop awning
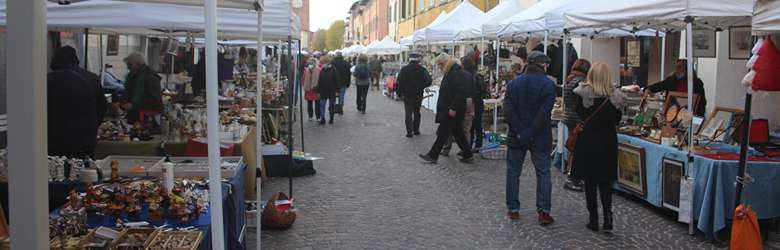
462 16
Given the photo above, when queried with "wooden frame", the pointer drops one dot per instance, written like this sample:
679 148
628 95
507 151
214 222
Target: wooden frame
632 176
671 175
112 45
704 43
740 42
676 95
718 122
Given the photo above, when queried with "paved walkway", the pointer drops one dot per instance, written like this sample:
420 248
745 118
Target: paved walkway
372 192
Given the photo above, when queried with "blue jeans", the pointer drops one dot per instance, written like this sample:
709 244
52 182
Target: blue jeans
514 167
331 105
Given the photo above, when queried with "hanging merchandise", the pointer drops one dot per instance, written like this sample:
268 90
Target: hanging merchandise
767 67
745 232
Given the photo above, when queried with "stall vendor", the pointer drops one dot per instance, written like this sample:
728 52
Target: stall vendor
142 87
678 81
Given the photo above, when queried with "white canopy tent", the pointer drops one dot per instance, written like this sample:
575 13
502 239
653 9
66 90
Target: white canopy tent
488 26
353 50
144 18
384 47
445 30
419 35
766 17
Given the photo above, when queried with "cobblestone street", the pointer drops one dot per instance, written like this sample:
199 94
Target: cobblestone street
371 191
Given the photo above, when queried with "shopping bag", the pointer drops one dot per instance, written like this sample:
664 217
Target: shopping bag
767 67
745 233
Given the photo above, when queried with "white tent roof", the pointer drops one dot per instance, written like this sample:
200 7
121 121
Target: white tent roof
353 50
544 16
407 41
628 14
766 17
236 4
463 15
105 16
488 27
419 35
385 47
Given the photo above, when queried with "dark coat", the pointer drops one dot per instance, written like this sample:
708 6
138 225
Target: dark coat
328 84
71 101
452 93
66 58
342 67
595 155
528 104
412 80
670 84
152 94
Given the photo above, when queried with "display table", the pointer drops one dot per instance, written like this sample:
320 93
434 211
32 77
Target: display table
233 207
137 148
714 190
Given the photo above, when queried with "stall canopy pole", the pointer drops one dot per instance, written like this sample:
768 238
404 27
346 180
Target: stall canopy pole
300 92
290 98
744 147
212 104
546 37
86 49
498 81
663 58
559 144
689 51
482 57
27 188
279 61
259 123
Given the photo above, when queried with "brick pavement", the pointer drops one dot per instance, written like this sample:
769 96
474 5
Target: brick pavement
372 192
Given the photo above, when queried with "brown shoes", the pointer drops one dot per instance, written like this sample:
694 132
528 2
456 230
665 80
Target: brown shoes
513 215
545 219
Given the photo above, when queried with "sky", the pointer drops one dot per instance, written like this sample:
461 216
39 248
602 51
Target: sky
323 12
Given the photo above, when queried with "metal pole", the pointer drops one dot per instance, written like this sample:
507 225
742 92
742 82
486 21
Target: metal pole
86 49
744 147
482 57
498 81
300 93
259 124
279 61
663 58
27 133
290 97
546 37
689 55
212 106
559 144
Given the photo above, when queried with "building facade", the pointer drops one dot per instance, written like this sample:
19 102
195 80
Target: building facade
301 9
416 14
368 21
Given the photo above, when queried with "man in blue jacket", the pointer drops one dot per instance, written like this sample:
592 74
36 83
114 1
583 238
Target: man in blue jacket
528 103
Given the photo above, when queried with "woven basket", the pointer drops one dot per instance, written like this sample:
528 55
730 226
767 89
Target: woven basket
273 218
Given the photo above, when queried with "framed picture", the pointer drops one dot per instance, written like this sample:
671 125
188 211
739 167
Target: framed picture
740 42
672 172
631 169
704 43
112 45
676 102
720 121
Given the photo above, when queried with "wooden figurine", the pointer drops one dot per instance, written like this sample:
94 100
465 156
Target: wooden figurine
115 171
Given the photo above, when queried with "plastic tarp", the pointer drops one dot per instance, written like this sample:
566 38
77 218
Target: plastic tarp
123 17
630 14
488 27
384 47
766 17
462 16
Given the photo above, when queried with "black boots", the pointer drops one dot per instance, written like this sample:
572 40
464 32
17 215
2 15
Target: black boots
607 221
593 222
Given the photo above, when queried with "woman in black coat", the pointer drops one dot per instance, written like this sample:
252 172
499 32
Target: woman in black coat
595 154
328 87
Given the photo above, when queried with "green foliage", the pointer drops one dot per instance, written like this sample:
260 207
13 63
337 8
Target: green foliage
335 36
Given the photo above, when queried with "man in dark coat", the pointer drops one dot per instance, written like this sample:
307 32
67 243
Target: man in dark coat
528 103
67 59
143 92
342 67
412 80
450 109
328 86
678 81
72 100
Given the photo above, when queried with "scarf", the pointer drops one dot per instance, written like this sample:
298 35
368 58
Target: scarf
575 74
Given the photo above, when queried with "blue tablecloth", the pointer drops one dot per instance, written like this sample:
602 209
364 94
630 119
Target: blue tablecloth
233 208
714 188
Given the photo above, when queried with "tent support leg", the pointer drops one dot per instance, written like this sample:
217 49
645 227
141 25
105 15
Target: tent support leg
259 126
212 106
689 52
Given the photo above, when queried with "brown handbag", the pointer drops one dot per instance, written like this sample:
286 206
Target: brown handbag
571 142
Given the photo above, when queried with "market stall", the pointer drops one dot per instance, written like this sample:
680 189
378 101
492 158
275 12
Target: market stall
657 161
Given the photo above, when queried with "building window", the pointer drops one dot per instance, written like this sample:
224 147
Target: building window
432 4
403 9
421 5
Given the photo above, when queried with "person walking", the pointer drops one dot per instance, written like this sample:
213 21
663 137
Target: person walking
311 76
473 90
578 74
596 150
362 81
328 86
376 72
481 91
528 103
412 80
450 109
342 67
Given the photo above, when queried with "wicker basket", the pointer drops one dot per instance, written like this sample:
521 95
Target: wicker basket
274 218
